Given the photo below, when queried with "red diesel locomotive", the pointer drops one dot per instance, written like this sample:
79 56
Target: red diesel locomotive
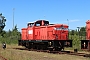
42 35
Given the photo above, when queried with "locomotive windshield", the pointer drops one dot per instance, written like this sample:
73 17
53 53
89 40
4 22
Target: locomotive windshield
31 24
46 23
38 23
41 23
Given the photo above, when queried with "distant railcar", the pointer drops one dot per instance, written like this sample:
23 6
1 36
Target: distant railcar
85 44
42 35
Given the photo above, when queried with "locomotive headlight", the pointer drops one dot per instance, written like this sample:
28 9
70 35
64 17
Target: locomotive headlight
50 43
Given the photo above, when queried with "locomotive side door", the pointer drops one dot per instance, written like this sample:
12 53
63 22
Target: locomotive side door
50 33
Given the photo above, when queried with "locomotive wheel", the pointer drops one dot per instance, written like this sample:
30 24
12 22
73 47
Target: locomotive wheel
38 47
27 45
44 47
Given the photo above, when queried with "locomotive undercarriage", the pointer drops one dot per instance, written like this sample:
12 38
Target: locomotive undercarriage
85 45
46 44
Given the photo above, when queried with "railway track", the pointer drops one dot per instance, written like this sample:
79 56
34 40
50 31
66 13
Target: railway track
57 52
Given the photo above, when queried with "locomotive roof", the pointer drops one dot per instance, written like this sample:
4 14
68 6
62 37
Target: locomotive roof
38 21
41 20
48 22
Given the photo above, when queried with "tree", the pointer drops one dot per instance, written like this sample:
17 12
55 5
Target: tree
15 28
15 33
83 31
2 22
72 32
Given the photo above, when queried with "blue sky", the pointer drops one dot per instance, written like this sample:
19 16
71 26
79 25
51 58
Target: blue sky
56 11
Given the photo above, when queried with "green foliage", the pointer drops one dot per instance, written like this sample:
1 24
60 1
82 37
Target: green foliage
10 36
82 31
76 36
